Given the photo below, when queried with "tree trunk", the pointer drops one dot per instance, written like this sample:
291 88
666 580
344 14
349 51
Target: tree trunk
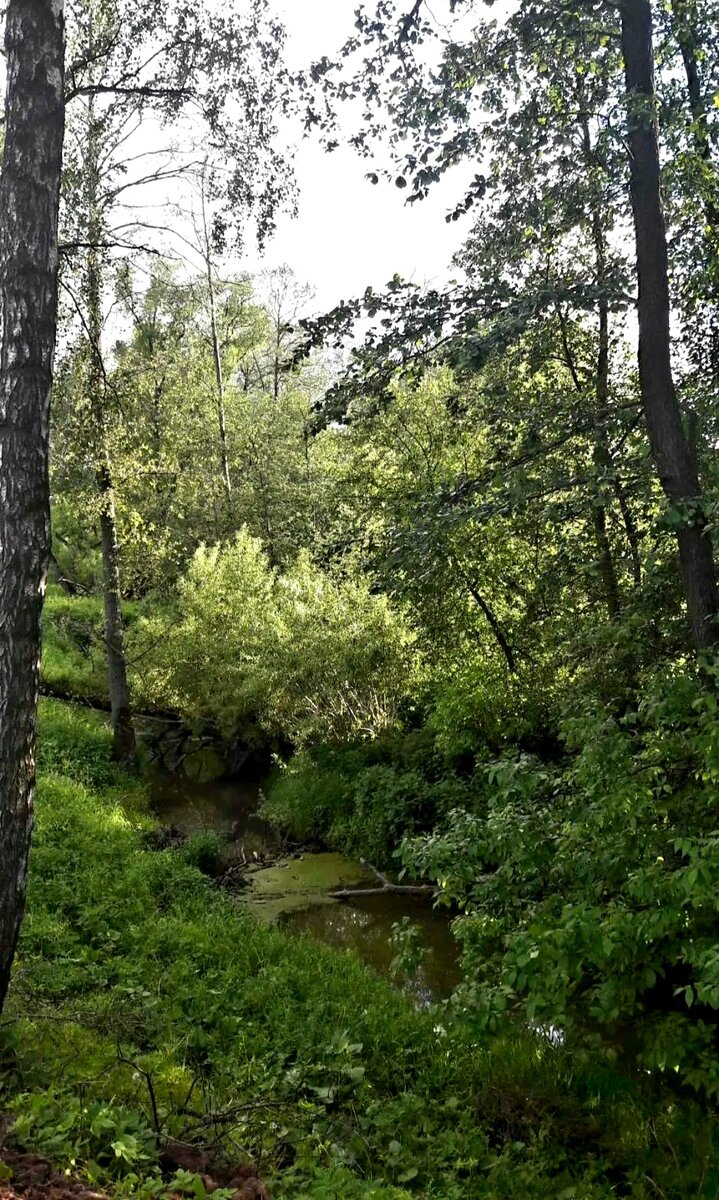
601 456
502 641
29 199
123 733
124 746
684 16
217 360
674 458
631 531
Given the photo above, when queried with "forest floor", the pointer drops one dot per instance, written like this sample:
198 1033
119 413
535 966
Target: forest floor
146 1006
35 1178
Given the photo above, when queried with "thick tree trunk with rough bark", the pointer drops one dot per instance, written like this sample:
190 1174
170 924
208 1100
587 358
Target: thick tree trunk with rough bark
29 199
673 455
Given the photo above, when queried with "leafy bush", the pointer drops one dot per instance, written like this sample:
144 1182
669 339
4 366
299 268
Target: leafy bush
73 643
204 851
134 971
592 888
308 654
480 708
73 658
61 1127
363 799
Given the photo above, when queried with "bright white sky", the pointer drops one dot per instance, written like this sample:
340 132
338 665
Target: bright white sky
350 233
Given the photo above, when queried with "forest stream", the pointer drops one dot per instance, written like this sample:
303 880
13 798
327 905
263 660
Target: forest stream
295 889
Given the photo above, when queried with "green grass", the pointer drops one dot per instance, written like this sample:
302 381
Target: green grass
73 660
73 647
133 971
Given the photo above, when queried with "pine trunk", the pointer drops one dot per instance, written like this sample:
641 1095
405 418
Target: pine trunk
674 457
29 199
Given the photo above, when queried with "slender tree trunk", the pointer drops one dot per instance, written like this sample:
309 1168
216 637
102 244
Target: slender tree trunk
123 732
684 17
631 532
602 458
674 459
29 198
124 745
489 615
217 359
276 364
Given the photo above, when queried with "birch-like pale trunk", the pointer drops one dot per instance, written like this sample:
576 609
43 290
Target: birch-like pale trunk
29 202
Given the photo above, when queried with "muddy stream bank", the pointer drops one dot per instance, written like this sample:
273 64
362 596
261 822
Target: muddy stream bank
294 889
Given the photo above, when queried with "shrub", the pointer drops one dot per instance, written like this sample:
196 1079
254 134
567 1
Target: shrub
591 887
204 851
307 654
73 659
363 799
133 971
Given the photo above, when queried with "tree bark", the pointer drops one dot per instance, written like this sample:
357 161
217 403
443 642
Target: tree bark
674 458
29 200
123 732
631 531
684 17
601 456
217 359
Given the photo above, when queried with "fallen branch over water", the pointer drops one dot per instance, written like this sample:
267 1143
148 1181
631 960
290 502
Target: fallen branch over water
386 887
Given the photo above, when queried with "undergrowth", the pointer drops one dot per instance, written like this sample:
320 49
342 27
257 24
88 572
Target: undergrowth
146 1004
73 643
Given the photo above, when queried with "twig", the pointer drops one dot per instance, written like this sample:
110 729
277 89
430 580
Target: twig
150 1088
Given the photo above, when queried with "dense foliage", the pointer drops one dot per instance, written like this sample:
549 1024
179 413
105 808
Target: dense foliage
145 1002
442 569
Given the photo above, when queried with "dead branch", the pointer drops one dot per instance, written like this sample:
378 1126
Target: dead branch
386 887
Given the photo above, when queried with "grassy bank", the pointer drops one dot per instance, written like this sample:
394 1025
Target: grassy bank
145 1003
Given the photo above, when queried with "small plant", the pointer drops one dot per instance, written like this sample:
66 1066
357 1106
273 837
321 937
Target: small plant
204 851
67 1131
409 952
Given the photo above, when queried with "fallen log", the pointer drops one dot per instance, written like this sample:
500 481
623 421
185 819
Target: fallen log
386 887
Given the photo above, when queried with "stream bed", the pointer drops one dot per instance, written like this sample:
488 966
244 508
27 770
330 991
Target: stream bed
294 889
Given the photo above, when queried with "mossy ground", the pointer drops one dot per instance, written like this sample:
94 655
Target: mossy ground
144 1001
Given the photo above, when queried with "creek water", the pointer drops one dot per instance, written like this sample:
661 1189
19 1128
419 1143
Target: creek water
295 890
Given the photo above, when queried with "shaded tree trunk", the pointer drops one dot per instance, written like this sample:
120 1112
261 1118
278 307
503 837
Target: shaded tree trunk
684 19
601 456
489 615
630 528
124 746
217 359
674 458
29 199
123 732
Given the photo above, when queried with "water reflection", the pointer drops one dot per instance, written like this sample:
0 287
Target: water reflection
364 925
224 807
